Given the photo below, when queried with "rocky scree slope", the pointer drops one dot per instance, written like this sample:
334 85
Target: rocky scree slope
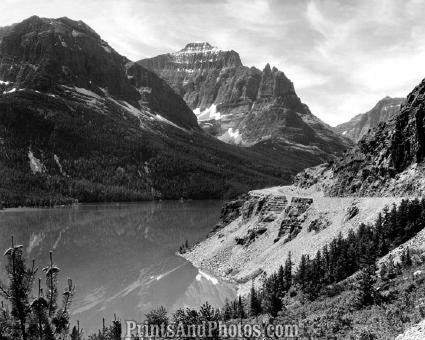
244 105
361 124
79 121
388 161
257 231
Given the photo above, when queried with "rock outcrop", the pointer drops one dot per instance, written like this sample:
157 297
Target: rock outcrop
416 332
387 161
361 124
244 105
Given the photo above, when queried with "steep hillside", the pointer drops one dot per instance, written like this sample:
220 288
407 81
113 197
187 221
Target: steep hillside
79 121
243 105
258 231
387 161
360 125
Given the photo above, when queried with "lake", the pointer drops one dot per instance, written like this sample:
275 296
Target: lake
121 257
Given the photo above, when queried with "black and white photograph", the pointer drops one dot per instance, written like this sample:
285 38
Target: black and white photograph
212 169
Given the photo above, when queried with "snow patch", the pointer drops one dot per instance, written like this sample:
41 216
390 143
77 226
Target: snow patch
4 82
87 92
231 137
10 91
35 164
58 164
198 48
107 48
208 114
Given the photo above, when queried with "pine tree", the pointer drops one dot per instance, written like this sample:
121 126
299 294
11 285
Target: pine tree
241 310
271 299
157 316
115 330
281 281
19 287
383 272
76 333
367 280
227 310
287 273
39 319
392 271
302 270
254 302
406 258
235 314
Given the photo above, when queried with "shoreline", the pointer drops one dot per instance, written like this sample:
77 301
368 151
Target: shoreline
68 205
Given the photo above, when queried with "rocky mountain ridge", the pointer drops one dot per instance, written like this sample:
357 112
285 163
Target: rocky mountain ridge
243 105
387 161
79 121
360 125
43 54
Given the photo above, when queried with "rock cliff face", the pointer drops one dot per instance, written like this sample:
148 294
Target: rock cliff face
387 161
79 121
243 105
44 54
361 124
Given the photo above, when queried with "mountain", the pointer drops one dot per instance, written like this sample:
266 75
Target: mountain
243 105
375 190
359 125
259 229
78 121
387 161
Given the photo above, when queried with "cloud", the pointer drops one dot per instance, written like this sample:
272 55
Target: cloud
342 55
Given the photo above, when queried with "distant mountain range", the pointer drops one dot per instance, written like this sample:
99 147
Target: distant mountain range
79 121
243 105
360 125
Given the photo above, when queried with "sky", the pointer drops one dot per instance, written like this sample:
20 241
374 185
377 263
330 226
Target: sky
343 56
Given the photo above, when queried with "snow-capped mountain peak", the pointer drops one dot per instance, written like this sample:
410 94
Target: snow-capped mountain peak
198 47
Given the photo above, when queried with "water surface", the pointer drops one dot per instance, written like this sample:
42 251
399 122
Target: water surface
121 257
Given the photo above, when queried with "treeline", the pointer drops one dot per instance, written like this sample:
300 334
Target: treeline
340 259
108 158
359 250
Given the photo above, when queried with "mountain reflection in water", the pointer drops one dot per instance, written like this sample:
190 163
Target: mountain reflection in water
121 257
